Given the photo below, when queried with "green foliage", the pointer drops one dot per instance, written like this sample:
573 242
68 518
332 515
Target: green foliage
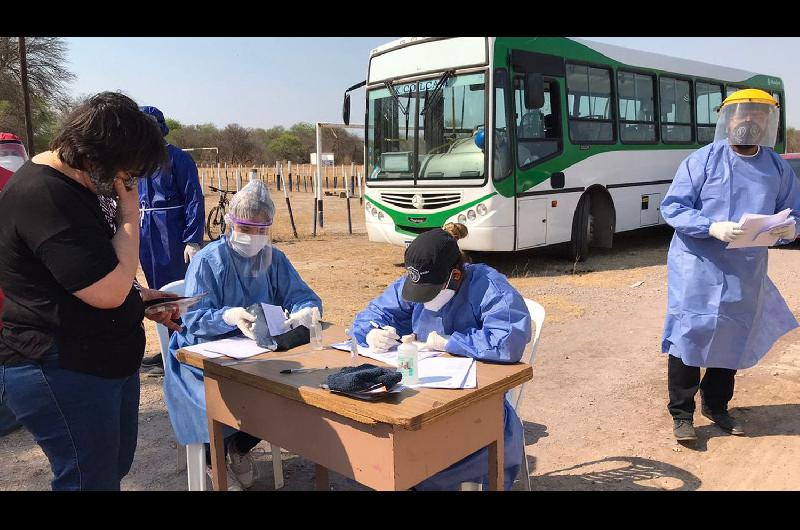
173 125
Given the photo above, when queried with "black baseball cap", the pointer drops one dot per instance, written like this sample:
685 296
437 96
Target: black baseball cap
428 261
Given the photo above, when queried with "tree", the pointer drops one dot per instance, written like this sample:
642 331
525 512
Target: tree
47 80
792 140
288 146
172 124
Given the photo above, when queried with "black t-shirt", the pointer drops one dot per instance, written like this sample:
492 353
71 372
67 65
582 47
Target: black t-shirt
54 241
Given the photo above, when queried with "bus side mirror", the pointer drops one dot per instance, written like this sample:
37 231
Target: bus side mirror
534 91
346 110
557 180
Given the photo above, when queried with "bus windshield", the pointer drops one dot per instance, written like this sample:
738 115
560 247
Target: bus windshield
450 111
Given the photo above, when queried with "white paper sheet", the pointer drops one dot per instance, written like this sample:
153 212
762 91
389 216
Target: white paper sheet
275 318
236 347
390 357
756 229
447 372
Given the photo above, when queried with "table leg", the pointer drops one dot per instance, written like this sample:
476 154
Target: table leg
219 475
496 464
322 478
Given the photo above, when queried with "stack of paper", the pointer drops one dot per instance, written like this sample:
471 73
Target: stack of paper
756 229
236 347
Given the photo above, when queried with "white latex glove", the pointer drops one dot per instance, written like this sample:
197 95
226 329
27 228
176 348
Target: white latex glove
380 340
303 317
412 336
239 317
784 232
726 231
436 341
189 251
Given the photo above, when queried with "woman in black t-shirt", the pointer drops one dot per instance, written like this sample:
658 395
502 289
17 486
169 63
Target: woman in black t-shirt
73 338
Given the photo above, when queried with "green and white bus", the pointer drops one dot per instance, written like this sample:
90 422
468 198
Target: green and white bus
532 141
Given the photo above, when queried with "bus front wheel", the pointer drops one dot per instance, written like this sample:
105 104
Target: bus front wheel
582 224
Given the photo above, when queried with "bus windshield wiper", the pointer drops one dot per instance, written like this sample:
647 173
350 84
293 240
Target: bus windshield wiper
396 97
436 90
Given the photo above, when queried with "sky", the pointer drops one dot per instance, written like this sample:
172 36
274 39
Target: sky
266 81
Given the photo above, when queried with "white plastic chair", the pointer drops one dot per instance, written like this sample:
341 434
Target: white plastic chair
514 396
195 453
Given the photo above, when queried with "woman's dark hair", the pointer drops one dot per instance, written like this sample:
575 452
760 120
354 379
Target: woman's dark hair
108 133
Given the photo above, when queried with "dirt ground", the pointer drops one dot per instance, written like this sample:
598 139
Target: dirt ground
595 412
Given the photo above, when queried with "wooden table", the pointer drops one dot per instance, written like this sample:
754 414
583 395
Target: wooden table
386 445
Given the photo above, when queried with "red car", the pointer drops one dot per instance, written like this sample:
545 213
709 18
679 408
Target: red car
12 156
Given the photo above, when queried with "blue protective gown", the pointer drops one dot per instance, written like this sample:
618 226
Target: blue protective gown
486 319
172 213
230 281
723 310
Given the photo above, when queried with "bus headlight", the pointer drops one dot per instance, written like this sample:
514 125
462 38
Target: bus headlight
462 218
380 216
374 211
471 215
482 209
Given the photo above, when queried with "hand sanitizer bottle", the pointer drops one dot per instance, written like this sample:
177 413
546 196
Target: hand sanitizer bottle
407 357
315 331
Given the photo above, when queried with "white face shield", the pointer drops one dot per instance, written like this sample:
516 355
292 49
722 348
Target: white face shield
12 156
748 123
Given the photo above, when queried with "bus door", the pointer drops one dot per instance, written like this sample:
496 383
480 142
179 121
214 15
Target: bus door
535 99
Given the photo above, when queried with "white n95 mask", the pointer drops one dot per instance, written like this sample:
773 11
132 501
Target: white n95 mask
440 301
248 245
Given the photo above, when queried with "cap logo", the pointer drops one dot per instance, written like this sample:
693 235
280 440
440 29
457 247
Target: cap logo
414 275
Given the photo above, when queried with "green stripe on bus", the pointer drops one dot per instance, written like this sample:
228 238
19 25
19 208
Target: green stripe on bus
433 220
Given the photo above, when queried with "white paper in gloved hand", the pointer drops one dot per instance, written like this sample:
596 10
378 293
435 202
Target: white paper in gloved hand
785 231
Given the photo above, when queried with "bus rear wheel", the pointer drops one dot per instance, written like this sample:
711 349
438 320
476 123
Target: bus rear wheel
582 230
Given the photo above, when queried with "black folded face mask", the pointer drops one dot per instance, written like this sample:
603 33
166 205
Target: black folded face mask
363 377
285 341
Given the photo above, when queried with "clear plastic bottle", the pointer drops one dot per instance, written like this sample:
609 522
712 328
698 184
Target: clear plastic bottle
407 361
315 331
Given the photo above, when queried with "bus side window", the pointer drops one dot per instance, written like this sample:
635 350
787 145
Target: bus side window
537 130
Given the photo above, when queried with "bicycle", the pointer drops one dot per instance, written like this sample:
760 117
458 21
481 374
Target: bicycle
215 221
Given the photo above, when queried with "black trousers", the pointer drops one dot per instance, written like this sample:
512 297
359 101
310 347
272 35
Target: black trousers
716 388
241 442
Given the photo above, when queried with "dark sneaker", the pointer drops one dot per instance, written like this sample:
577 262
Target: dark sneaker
724 421
153 360
684 430
155 371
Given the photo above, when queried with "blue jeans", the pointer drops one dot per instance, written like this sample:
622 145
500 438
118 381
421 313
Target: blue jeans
86 425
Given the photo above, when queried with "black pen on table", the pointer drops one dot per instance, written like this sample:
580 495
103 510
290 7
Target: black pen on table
301 370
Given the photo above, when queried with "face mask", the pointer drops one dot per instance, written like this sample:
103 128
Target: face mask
248 245
746 133
11 163
440 301
104 187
